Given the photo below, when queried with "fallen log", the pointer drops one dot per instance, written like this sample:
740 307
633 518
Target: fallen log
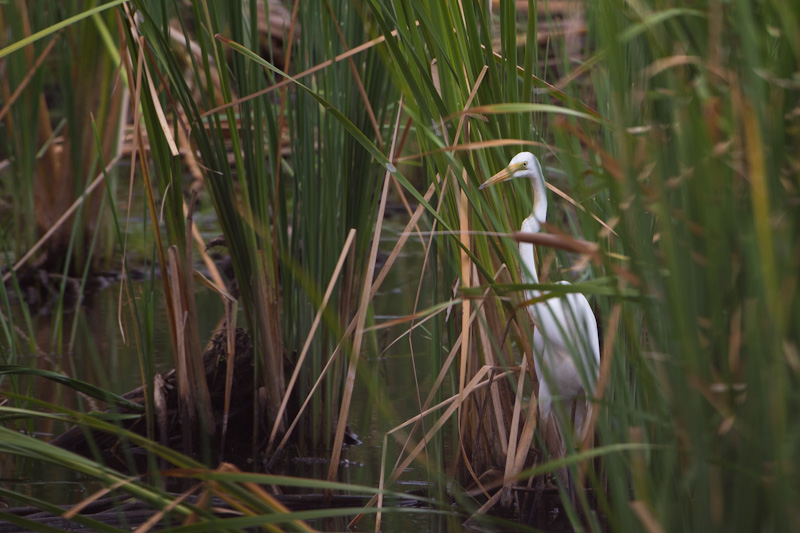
239 438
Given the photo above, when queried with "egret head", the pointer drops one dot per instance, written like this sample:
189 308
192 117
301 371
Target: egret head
523 165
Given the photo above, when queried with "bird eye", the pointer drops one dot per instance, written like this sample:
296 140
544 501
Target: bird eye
524 163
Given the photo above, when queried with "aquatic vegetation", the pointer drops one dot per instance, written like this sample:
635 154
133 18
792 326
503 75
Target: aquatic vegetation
666 135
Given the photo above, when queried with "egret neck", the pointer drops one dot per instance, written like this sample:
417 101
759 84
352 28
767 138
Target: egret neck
532 224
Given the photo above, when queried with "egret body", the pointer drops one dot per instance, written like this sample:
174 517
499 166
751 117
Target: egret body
565 341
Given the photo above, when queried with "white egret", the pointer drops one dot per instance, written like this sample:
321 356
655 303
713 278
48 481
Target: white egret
565 339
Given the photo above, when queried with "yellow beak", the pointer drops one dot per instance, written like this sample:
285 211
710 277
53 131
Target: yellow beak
504 175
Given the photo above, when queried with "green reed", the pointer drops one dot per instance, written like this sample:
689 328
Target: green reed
671 129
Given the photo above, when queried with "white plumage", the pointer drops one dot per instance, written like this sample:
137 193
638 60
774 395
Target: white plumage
565 339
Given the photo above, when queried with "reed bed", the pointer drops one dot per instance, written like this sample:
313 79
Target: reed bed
666 135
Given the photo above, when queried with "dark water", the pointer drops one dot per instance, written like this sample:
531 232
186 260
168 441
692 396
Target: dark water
100 355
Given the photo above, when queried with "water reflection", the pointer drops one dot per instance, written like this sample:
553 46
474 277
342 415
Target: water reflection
386 393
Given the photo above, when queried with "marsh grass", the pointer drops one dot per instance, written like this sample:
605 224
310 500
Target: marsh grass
667 138
49 103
